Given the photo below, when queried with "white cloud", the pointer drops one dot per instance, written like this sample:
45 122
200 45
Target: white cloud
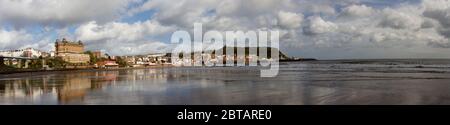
436 4
289 20
13 39
185 12
121 31
357 11
316 25
177 12
117 38
59 12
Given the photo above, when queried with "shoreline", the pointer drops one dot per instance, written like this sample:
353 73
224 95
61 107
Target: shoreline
79 69
31 71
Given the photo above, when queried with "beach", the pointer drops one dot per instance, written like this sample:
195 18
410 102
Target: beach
327 82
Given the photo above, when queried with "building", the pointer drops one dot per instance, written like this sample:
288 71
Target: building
97 54
159 58
130 60
52 53
148 60
107 64
71 52
27 53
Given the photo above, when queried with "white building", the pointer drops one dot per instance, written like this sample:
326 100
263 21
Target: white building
28 52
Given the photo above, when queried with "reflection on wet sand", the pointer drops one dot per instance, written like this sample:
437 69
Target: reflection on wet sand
297 83
73 88
65 87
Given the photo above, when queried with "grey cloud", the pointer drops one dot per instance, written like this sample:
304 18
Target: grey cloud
400 20
439 44
441 16
430 23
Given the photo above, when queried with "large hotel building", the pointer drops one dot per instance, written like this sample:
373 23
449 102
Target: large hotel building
71 52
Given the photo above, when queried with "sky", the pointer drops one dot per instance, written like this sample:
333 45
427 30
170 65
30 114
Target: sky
323 29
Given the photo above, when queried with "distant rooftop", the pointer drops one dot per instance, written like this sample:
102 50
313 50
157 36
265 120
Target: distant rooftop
16 50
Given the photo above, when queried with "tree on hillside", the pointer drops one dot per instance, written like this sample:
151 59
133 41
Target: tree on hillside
121 62
92 58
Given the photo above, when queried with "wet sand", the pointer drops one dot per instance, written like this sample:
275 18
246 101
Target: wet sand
341 82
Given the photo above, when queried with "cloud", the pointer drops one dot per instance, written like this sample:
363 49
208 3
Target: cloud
252 8
289 20
400 20
321 24
442 16
316 25
362 27
119 38
177 12
322 9
185 12
306 26
356 11
60 13
436 4
121 31
13 39
20 39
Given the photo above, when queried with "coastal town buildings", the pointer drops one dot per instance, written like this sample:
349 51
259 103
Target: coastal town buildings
107 64
71 52
152 59
159 58
148 60
130 60
75 56
21 58
26 53
229 56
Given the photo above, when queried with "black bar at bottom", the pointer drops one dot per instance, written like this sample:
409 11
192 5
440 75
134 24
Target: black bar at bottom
224 114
